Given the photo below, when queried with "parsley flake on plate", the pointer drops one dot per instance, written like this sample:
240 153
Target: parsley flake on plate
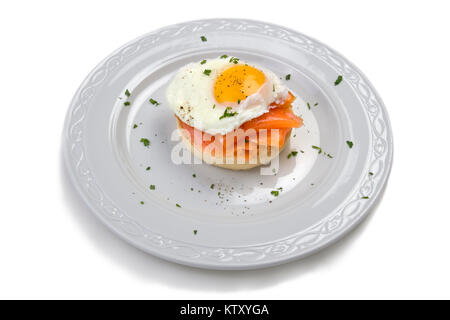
292 154
152 187
203 38
288 77
317 148
154 102
126 103
338 80
145 142
350 144
207 72
203 62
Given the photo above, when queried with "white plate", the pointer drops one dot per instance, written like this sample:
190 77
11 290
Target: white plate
244 226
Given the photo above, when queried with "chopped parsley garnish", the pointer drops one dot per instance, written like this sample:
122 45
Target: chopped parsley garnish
177 205
194 175
212 186
350 144
317 148
148 168
135 126
227 113
292 154
239 101
145 141
152 187
207 72
338 80
142 202
371 173
224 56
288 77
309 105
319 151
154 102
365 197
275 193
234 60
203 62
195 232
203 38
214 106
127 93
127 103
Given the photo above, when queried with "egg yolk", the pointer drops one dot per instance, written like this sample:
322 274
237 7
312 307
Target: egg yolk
237 83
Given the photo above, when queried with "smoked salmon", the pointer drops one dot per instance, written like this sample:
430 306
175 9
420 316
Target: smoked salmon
280 117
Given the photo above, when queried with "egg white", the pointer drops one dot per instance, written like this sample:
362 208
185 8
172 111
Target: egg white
191 97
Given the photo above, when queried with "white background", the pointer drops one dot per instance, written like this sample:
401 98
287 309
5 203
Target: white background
51 246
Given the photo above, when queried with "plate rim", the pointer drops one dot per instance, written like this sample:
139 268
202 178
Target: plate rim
217 258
